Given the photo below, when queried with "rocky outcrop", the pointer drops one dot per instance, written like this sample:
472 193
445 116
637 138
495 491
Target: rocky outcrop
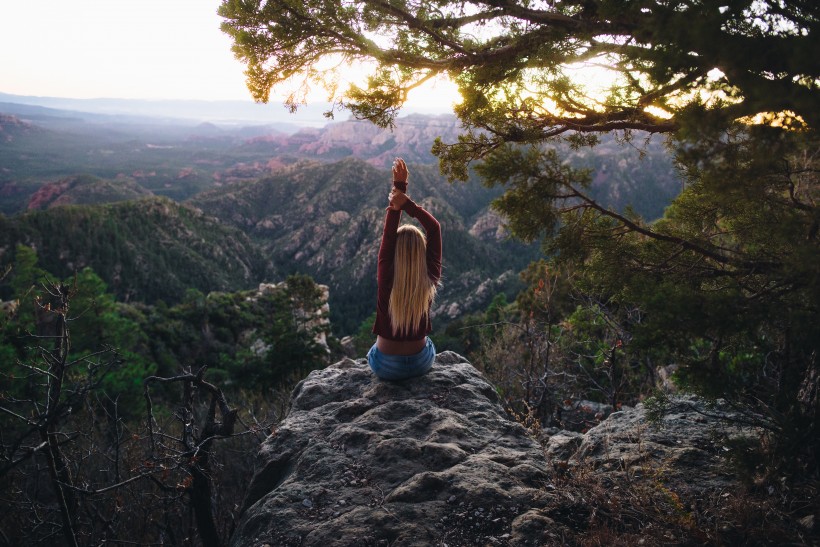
662 480
489 226
12 126
436 461
684 445
428 461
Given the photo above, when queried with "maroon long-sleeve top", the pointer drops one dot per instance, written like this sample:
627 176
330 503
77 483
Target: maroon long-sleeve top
432 229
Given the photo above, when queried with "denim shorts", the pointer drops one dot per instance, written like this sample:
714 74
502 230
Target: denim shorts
399 367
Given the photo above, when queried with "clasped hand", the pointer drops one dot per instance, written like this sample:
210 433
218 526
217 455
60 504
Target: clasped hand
397 198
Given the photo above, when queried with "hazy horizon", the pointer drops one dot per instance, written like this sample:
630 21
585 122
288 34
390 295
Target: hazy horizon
197 110
149 50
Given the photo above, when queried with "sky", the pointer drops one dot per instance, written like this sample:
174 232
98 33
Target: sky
129 49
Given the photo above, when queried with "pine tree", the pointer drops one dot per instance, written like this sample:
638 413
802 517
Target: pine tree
727 281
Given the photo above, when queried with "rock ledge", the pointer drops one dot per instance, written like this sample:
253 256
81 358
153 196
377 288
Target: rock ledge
428 461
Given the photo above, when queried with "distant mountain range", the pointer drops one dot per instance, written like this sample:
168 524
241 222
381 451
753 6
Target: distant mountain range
180 160
180 111
44 146
253 203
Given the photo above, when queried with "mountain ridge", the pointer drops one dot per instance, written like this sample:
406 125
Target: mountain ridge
310 202
326 220
86 190
147 250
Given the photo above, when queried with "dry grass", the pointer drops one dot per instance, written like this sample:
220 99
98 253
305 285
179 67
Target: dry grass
621 510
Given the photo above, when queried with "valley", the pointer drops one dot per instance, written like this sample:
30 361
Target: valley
156 206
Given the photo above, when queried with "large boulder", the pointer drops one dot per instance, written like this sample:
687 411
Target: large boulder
433 460
685 444
658 480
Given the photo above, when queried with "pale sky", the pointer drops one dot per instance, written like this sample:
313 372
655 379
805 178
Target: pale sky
146 49
130 49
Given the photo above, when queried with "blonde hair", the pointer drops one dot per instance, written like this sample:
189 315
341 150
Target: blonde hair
413 290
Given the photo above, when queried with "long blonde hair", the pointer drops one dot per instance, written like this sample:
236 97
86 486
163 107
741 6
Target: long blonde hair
413 290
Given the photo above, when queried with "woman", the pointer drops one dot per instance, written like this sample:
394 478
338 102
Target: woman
408 273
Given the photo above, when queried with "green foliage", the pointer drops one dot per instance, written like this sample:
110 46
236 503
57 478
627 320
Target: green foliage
26 275
98 322
144 250
597 345
548 292
727 281
21 289
511 61
462 335
364 337
255 340
534 185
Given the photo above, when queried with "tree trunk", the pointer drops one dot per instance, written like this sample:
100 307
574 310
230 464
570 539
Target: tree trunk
201 497
57 466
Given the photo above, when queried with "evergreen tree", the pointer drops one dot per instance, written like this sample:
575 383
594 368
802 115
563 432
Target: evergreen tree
513 60
727 281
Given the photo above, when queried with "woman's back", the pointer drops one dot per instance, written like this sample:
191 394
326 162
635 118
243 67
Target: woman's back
409 269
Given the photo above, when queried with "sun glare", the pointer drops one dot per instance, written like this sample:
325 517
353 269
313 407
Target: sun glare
332 77
436 95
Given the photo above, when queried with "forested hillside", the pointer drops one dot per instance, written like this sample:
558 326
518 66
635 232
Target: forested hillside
86 190
326 220
145 250
310 202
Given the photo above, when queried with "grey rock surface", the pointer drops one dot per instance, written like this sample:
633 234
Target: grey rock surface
685 448
436 461
433 460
